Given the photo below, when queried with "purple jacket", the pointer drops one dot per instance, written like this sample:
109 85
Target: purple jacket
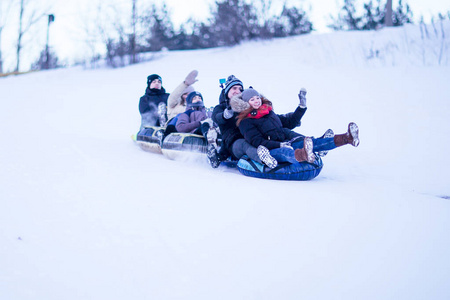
189 121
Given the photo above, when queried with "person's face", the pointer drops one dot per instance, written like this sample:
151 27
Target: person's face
155 84
196 99
235 90
184 96
255 102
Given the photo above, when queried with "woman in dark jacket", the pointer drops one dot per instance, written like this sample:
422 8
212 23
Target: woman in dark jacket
233 143
152 105
261 126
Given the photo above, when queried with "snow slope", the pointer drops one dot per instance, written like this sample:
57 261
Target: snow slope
86 214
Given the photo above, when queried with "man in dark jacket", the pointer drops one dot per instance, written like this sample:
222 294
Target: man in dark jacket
152 105
233 143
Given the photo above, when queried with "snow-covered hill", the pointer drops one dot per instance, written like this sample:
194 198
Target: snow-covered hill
86 214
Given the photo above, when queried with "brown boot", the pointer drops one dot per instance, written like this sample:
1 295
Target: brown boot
350 137
306 153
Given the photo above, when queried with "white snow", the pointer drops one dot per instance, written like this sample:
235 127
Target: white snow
86 214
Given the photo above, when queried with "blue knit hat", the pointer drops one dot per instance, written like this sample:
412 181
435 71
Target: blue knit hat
191 96
232 81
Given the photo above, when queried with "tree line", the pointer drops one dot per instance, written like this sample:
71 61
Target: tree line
235 21
124 37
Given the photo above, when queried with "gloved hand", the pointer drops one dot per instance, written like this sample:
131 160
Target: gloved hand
302 97
191 78
286 145
228 113
209 121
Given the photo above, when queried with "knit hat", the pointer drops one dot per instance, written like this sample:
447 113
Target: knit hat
152 77
188 90
191 96
232 81
249 93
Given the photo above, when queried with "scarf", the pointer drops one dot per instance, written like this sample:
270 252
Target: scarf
262 111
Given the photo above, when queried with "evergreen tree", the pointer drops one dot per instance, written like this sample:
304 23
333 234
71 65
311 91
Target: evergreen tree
296 21
402 15
42 64
117 52
181 40
203 36
160 27
374 16
347 18
233 22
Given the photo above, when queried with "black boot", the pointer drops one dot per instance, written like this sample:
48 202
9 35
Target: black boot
213 156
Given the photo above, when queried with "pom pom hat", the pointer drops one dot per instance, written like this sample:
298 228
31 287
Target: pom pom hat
232 81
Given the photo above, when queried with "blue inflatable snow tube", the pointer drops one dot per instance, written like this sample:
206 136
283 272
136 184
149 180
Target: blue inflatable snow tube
284 171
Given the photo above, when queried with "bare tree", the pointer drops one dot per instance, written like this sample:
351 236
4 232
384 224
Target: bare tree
26 21
5 7
388 17
109 32
133 35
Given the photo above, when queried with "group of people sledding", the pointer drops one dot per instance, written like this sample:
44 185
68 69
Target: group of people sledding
244 119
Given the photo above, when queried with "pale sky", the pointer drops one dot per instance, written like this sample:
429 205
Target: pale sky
66 35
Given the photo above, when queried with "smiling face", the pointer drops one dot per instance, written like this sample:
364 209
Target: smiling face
255 102
235 90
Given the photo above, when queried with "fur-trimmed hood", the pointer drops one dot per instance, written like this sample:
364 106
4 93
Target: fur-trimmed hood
237 104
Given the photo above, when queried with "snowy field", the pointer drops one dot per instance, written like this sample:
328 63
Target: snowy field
86 214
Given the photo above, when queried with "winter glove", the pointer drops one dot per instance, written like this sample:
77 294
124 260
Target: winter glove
228 113
191 78
302 98
286 145
209 121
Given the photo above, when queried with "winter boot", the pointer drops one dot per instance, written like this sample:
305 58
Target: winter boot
306 153
162 110
328 134
265 157
160 134
211 137
213 156
350 137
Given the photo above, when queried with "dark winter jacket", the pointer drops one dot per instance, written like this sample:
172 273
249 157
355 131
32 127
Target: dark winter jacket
189 121
267 129
230 132
148 106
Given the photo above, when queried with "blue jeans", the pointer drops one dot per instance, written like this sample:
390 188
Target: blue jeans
287 155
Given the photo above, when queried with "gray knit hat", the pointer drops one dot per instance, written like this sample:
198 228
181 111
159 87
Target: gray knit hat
249 93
